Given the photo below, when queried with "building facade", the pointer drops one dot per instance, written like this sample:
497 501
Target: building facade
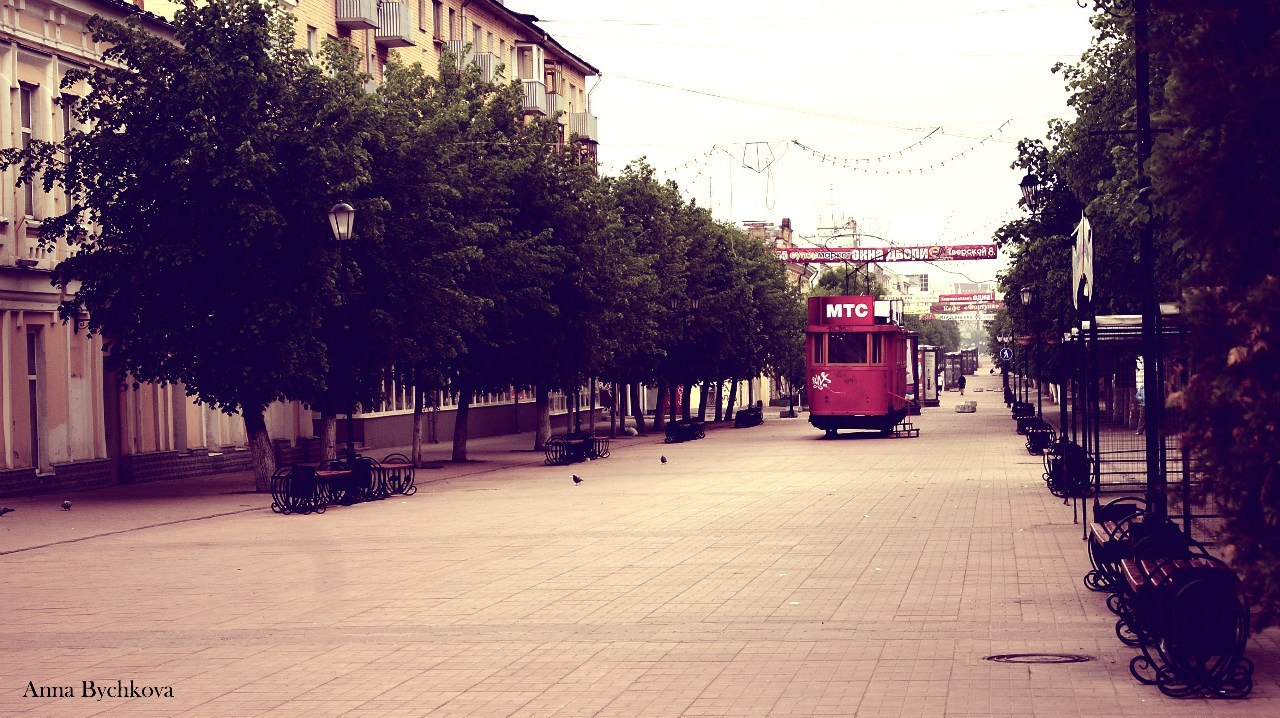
67 423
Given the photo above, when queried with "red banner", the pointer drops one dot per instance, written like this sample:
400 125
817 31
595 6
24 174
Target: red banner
930 253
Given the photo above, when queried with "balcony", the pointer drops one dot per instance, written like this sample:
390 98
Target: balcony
486 62
358 14
583 124
535 97
556 103
396 25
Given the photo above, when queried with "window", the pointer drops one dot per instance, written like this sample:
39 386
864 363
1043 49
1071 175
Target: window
488 43
818 357
502 50
313 40
475 39
435 18
422 15
452 22
847 348
877 348
26 96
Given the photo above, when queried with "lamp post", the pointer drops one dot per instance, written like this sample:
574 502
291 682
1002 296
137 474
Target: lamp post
1027 294
342 220
1152 368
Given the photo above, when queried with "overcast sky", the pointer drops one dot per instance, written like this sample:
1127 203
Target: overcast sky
715 92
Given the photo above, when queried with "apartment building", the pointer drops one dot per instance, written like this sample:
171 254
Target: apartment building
65 422
501 42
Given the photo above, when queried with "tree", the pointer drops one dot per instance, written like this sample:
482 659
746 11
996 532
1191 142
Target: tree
934 332
201 171
856 279
1215 180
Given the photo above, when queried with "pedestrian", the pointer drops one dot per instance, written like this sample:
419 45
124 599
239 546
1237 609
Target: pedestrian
961 384
1140 405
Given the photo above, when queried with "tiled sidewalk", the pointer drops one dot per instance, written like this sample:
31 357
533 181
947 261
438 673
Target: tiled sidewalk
761 571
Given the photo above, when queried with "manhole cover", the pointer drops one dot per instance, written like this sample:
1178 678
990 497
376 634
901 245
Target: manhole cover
1039 658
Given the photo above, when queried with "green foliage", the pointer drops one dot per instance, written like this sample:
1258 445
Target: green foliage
845 279
199 181
1213 191
1215 181
934 332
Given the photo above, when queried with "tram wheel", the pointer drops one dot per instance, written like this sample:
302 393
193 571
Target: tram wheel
831 434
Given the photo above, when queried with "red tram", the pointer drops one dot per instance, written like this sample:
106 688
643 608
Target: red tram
859 361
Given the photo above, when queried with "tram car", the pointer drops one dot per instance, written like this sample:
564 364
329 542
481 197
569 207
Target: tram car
857 358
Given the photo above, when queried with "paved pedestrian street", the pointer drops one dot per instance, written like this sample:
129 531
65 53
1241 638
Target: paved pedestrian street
759 572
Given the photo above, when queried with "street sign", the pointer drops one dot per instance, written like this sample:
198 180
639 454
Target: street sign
1006 354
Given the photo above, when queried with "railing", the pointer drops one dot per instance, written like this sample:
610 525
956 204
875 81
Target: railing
396 24
583 124
486 62
535 97
556 103
357 14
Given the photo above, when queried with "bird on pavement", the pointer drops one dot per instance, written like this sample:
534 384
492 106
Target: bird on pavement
664 459
66 505
577 479
6 510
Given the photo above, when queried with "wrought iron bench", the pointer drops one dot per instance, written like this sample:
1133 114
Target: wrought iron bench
751 416
570 448
296 490
1186 617
684 430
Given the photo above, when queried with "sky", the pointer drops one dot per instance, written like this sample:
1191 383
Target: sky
717 94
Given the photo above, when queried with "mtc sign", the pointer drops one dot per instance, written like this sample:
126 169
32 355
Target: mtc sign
848 310
853 311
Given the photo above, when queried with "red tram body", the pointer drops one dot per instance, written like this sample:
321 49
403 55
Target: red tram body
859 362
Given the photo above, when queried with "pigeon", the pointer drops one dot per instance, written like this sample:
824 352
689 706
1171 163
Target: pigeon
66 505
6 510
577 479
664 459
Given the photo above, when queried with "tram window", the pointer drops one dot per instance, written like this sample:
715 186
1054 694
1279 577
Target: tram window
818 340
847 348
877 345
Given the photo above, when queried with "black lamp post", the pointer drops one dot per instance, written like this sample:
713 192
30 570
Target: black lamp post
342 220
1027 294
1031 186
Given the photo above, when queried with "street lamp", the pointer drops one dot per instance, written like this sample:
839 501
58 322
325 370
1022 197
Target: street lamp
1027 294
342 221
1031 187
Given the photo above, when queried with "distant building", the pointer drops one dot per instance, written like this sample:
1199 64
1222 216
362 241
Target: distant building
781 238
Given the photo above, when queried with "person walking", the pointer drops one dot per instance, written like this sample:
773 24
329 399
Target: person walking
1140 405
961 384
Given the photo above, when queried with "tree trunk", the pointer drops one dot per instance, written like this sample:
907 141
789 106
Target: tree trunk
460 423
663 407
591 407
328 435
719 389
433 419
733 399
686 402
637 407
613 409
542 407
260 454
415 452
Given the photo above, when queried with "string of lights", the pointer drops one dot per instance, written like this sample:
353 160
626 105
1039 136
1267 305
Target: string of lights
855 164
